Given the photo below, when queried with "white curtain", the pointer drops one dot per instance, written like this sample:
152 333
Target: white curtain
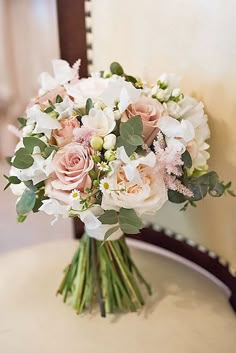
28 42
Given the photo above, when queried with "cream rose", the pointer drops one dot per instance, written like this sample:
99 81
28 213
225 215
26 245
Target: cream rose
145 196
101 122
150 110
65 134
71 165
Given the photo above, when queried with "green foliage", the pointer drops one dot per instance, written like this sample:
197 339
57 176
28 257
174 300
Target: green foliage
11 180
200 186
109 233
186 158
131 79
89 105
22 122
129 222
59 99
31 142
131 134
116 69
23 159
175 196
109 217
26 202
48 151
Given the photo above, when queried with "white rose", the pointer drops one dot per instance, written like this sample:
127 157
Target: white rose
109 142
101 122
146 196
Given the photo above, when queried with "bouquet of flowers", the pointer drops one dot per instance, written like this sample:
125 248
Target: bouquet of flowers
109 149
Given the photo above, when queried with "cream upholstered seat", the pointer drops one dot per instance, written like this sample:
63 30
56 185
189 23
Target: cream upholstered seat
186 314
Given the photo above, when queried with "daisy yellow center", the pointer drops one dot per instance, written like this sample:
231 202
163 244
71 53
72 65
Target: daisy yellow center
75 195
106 186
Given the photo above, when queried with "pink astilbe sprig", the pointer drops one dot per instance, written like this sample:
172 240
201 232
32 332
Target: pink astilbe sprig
169 163
175 184
75 69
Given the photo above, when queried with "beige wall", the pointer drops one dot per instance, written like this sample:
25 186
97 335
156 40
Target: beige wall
195 39
28 43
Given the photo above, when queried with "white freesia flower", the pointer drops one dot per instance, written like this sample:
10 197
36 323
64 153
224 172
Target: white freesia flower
94 228
190 110
63 73
65 108
18 189
38 172
44 122
101 122
121 92
131 165
109 142
176 132
55 208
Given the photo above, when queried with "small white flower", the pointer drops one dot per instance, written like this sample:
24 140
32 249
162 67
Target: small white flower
176 92
63 73
109 142
105 185
110 155
44 122
75 194
103 166
65 108
55 208
75 200
121 91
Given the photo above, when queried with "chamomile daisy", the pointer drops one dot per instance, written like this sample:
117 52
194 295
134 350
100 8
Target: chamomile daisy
103 166
105 185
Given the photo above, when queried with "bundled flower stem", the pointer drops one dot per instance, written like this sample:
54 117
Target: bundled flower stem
104 273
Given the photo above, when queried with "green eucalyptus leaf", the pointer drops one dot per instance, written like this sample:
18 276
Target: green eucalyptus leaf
110 232
135 140
129 229
26 202
198 189
175 196
186 158
116 69
109 217
89 105
14 180
129 221
31 142
137 125
22 121
23 159
48 150
131 79
129 149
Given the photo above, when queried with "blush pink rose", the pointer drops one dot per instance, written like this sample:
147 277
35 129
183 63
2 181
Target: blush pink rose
150 110
65 135
71 165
